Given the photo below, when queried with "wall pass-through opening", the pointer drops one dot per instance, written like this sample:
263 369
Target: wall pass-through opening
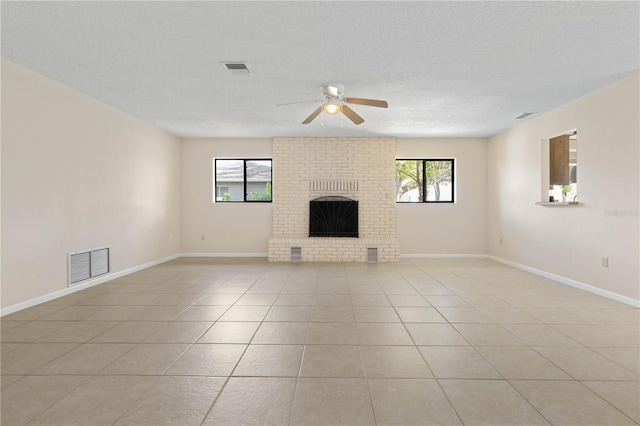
563 167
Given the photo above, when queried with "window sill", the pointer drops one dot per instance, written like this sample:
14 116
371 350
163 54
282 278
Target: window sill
559 204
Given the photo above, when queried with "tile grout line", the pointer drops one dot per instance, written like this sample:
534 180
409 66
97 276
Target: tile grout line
453 407
224 385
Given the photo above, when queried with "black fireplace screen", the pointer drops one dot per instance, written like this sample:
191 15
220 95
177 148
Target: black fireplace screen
333 217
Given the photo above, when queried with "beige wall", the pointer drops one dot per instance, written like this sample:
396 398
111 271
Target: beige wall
570 242
228 228
77 174
458 228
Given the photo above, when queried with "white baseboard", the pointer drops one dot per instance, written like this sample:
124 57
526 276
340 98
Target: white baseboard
443 256
573 283
89 283
108 277
224 255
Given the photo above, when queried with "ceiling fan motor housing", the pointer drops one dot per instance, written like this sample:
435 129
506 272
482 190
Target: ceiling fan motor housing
333 90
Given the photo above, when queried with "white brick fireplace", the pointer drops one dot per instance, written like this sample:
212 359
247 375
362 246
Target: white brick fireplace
361 169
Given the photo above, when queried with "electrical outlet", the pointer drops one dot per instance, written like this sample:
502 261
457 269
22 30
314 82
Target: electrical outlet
605 262
171 238
202 237
500 240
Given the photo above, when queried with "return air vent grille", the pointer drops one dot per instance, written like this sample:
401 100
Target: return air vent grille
372 255
296 254
79 267
88 264
99 262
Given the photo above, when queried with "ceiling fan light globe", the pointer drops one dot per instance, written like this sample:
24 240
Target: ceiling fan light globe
332 109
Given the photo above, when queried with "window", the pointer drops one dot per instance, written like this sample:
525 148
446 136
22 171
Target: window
242 180
425 181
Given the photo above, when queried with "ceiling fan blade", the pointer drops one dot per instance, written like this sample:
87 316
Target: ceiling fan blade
351 114
369 102
301 102
313 115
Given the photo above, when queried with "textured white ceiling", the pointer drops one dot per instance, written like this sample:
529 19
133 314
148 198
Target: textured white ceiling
447 69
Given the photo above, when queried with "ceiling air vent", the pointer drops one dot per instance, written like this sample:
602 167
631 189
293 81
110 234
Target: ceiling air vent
236 68
523 115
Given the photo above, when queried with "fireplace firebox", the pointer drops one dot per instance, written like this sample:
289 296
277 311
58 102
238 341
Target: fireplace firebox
333 217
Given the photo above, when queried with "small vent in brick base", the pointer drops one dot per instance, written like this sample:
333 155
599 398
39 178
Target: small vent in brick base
296 254
372 255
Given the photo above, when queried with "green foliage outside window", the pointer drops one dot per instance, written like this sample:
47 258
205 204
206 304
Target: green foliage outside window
428 181
262 196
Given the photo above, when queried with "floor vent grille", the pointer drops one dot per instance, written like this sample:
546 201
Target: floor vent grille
88 264
296 254
372 255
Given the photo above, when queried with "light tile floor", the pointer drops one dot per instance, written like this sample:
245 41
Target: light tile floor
244 341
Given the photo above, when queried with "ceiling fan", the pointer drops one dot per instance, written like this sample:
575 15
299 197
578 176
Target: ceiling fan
335 102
